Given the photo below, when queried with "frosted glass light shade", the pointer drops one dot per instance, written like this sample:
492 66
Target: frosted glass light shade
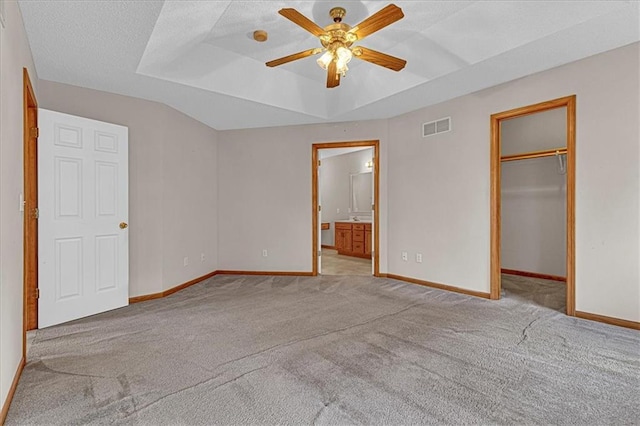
324 60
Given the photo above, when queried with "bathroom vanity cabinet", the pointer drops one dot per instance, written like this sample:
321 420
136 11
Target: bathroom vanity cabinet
353 238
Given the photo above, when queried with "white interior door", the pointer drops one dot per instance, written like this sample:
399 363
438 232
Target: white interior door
83 240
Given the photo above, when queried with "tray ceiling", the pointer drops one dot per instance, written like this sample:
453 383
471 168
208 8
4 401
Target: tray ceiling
199 56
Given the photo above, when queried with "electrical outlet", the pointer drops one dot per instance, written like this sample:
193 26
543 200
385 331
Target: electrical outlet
338 211
201 257
418 257
185 261
405 256
264 253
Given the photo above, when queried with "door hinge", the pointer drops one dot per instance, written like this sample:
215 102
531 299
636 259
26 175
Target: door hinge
35 132
319 208
35 213
37 293
319 252
319 163
373 206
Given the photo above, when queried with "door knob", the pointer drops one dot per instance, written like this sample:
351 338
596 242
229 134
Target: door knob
123 225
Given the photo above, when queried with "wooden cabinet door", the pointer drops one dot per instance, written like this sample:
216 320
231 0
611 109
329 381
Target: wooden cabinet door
347 244
367 242
343 240
338 239
343 237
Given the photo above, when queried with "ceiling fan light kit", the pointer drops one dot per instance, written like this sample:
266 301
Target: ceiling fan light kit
337 40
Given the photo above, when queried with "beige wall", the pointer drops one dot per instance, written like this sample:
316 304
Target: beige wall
439 187
189 202
172 184
14 55
264 197
439 196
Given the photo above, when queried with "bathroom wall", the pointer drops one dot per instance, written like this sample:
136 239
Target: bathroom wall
334 182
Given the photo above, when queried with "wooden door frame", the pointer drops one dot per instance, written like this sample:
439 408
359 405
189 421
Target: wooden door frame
570 103
30 222
375 144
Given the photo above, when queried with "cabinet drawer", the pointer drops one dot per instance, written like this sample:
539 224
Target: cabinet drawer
358 247
367 227
358 227
358 236
341 225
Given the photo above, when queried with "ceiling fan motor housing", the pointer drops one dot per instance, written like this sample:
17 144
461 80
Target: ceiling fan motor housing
337 13
337 34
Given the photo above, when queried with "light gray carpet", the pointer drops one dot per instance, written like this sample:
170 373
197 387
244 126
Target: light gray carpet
333 350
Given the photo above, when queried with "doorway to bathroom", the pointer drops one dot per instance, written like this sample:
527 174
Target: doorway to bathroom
345 222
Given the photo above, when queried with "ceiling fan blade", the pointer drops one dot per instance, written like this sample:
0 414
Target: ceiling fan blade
294 57
301 20
378 58
333 78
385 16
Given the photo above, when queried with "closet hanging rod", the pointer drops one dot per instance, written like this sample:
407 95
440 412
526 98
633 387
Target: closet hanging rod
535 154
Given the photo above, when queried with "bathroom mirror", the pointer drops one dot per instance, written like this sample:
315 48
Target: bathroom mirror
361 192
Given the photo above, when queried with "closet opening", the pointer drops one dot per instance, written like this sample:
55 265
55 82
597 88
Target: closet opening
345 213
532 204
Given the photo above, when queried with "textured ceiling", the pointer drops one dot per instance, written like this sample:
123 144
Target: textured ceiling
199 57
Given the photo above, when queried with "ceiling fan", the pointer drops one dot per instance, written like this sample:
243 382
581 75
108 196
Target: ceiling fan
337 40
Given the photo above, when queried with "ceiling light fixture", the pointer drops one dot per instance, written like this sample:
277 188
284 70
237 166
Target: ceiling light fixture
336 42
260 36
338 38
341 55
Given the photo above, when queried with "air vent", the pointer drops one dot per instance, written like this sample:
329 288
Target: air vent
434 127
